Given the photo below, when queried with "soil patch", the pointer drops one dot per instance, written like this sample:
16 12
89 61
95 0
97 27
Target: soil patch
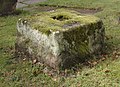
50 8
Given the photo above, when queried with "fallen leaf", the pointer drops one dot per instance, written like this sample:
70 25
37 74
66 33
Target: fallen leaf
34 61
107 71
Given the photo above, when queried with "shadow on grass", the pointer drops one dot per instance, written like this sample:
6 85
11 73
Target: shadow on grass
16 12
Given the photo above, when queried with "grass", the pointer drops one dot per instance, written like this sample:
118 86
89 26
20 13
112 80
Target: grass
103 73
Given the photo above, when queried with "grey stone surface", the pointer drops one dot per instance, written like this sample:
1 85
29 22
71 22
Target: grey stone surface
23 3
59 39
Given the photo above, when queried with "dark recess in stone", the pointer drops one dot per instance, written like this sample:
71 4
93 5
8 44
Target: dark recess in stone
60 18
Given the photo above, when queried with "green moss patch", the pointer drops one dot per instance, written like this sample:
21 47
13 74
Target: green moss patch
59 20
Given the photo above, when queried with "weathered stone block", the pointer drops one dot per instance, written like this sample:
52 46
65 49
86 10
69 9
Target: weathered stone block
59 38
7 6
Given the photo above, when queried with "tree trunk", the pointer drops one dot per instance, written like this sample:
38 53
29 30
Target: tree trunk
7 6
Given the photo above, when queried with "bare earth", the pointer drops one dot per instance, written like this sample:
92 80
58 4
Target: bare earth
26 3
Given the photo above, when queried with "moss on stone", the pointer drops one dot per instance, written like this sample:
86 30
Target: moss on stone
58 20
79 36
78 40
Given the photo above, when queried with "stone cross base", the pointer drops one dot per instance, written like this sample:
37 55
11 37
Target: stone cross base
60 38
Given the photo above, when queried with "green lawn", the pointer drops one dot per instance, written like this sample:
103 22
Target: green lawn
103 73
